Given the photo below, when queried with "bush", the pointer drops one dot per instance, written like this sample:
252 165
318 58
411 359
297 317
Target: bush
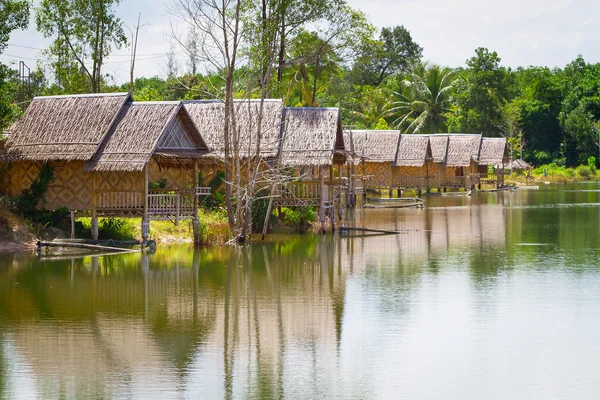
299 218
115 228
584 171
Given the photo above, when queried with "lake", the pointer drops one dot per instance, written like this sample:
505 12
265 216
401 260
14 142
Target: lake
493 296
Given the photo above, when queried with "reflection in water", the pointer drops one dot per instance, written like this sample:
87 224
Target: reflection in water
455 307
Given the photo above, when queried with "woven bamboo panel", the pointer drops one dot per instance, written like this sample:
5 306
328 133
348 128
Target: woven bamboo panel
70 188
176 178
120 181
380 174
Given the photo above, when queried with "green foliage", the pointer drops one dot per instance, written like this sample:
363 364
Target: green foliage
298 218
591 162
84 34
26 203
393 53
14 14
116 228
481 97
216 200
425 100
161 184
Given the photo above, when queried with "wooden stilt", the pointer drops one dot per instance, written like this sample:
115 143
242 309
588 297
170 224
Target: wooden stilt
322 200
196 221
145 220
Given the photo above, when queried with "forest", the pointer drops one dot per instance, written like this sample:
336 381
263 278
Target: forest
314 54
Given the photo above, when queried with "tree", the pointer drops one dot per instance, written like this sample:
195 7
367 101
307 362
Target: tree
580 110
84 31
319 52
14 14
425 101
393 53
480 99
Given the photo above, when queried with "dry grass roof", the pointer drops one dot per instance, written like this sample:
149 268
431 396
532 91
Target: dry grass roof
455 149
143 129
413 150
209 115
376 146
493 151
64 127
311 136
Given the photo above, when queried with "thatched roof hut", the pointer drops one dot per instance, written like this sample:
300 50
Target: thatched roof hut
208 115
455 149
64 127
146 129
494 151
311 137
413 150
517 165
376 146
462 150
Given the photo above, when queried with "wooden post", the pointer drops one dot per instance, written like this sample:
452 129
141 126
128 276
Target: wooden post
177 207
94 205
145 221
196 221
72 224
341 175
322 200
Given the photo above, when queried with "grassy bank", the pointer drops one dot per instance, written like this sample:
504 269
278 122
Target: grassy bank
213 229
554 173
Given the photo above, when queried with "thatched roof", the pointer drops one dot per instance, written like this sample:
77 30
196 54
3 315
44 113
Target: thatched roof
439 147
517 164
311 136
144 129
493 151
208 115
413 150
376 146
455 149
462 149
64 127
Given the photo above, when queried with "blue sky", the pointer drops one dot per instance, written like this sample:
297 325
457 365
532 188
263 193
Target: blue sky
523 32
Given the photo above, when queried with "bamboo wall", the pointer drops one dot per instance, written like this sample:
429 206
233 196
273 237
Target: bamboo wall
379 173
72 188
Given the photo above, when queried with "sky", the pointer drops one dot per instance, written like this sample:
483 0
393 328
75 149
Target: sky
523 32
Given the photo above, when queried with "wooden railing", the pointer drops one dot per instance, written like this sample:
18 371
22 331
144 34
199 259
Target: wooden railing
162 204
298 193
484 178
412 181
120 200
453 181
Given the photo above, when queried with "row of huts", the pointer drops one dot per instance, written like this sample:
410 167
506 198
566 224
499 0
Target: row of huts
108 153
391 160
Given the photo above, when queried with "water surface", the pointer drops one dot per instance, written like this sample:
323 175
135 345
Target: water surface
492 296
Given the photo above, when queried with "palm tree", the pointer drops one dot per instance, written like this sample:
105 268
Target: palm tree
425 99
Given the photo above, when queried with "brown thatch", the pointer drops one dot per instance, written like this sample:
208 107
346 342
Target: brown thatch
455 149
493 151
311 136
413 150
376 146
208 116
143 130
64 127
439 147
462 149
518 164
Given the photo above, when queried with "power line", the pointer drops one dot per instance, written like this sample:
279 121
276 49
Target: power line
111 55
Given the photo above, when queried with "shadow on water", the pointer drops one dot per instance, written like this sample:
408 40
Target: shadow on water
298 316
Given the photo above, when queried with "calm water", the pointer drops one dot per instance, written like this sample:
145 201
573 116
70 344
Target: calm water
495 296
